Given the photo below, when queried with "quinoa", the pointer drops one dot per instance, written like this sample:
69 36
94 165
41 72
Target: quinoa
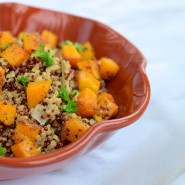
48 114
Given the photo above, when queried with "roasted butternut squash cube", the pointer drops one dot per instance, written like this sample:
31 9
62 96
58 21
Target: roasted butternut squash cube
87 53
2 73
15 55
26 129
107 95
18 137
106 109
31 42
25 148
74 128
108 68
87 103
86 80
5 39
22 35
49 38
7 113
37 91
70 53
89 66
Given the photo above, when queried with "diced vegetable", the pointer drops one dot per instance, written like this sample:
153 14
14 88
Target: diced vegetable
39 114
107 95
15 55
7 113
22 35
25 148
26 129
31 42
74 129
49 38
86 80
87 103
37 91
5 39
106 109
87 53
2 73
108 68
89 66
71 54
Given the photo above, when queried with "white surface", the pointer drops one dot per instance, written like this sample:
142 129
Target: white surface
151 151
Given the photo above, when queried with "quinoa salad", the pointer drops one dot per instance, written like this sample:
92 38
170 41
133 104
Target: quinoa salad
51 92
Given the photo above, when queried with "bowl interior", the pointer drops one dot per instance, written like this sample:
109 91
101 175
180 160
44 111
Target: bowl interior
128 88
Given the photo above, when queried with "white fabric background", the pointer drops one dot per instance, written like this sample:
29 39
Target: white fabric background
152 150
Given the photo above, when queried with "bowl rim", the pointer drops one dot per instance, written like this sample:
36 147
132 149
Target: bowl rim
108 125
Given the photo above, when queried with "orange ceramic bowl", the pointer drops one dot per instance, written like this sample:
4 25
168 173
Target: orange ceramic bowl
130 87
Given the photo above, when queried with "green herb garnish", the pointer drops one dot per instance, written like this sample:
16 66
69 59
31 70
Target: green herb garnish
63 93
23 80
77 45
2 151
74 93
66 43
46 56
71 104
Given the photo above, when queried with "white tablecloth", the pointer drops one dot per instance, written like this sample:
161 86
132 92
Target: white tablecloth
152 150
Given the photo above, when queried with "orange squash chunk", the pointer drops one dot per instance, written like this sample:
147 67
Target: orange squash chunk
108 68
89 66
7 113
25 148
15 55
74 129
31 42
106 109
70 53
26 129
5 39
49 38
107 95
37 91
86 80
87 103
87 53
2 73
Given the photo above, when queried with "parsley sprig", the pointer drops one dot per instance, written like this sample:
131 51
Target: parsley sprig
46 56
2 151
71 104
77 45
23 80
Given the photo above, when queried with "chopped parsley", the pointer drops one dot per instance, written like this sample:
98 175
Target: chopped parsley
74 93
78 46
63 93
2 151
23 80
46 56
70 106
66 43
